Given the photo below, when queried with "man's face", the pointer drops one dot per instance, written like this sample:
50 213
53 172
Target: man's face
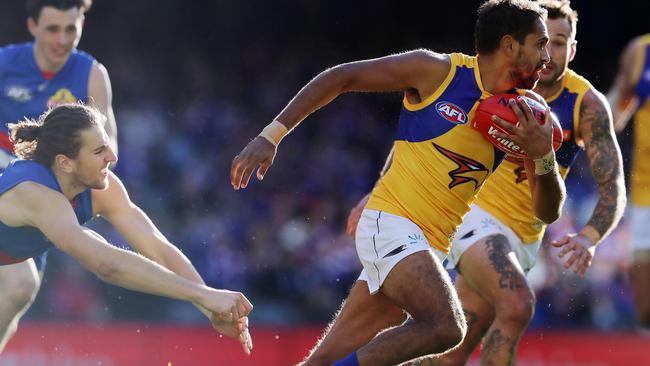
530 58
56 33
561 48
95 155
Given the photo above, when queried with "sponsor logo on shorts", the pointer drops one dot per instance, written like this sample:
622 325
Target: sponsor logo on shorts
415 238
487 222
397 250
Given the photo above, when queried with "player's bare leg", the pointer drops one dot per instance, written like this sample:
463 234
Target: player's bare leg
640 277
479 315
491 268
420 285
19 285
361 317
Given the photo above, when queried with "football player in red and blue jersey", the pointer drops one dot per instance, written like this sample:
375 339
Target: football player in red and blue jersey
36 76
62 180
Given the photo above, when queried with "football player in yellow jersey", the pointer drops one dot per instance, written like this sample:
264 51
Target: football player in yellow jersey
499 238
439 165
496 298
631 95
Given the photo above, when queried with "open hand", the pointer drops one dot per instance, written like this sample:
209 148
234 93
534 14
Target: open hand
582 251
237 330
258 154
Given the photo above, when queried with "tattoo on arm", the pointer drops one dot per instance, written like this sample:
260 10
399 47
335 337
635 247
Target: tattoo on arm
605 162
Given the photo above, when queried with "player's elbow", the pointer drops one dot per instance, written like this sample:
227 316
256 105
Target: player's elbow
107 270
551 210
550 217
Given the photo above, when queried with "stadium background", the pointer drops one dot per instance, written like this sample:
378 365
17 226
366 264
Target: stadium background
193 81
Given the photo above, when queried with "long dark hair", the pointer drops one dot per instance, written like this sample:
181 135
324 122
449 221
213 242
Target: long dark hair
57 131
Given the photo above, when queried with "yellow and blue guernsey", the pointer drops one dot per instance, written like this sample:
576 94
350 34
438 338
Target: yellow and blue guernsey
21 243
440 162
640 177
507 194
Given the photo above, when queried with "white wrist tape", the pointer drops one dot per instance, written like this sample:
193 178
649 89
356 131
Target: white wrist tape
274 132
545 164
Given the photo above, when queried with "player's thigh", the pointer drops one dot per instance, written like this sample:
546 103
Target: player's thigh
361 318
490 267
420 285
397 258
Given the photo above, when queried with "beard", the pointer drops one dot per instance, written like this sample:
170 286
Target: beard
556 74
523 78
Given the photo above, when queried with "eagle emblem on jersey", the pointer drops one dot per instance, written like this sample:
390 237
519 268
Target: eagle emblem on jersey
520 173
468 170
62 96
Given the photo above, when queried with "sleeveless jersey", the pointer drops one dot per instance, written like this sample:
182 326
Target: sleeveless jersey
440 162
507 194
640 177
20 243
24 91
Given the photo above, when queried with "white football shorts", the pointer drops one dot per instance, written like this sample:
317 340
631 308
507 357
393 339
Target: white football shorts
479 224
382 240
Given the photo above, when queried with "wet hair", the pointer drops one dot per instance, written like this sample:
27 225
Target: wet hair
497 18
57 131
34 7
561 9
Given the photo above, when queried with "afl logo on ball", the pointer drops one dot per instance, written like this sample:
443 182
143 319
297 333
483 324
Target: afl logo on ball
451 113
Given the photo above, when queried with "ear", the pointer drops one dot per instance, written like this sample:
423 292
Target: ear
572 52
31 26
63 163
509 45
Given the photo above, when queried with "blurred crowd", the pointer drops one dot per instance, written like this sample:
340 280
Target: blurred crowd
280 241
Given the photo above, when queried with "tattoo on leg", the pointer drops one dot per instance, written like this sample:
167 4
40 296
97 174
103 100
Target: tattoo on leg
493 345
497 249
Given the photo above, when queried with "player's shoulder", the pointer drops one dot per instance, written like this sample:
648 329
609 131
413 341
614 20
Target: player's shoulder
82 56
639 41
12 51
34 194
427 58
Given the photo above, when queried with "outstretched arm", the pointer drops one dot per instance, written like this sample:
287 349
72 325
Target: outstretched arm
420 72
50 212
139 231
621 96
606 166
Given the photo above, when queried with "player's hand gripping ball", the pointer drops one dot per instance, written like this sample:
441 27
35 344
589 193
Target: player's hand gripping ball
499 105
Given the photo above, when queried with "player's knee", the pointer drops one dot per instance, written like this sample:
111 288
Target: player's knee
20 292
447 337
518 311
445 334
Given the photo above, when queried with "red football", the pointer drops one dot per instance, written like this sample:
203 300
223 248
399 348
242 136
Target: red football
499 105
